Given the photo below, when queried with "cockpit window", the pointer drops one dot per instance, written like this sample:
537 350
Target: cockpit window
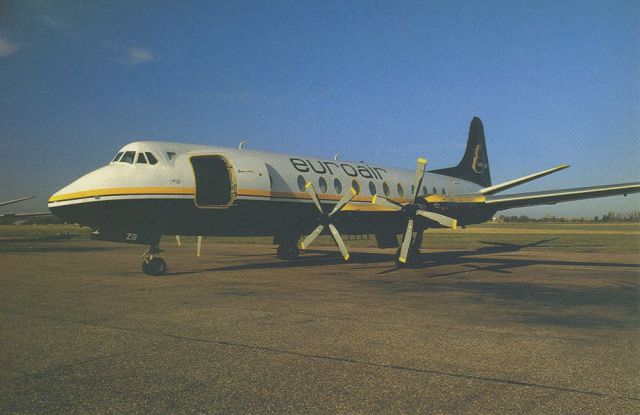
151 158
141 159
117 157
128 157
171 155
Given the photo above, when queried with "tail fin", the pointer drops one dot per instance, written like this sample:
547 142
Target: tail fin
474 165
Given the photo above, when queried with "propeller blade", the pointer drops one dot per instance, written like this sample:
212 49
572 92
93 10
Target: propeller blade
441 219
314 195
422 164
338 239
381 201
406 242
199 246
345 199
312 237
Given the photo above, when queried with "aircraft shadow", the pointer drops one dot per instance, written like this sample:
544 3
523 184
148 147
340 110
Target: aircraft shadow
466 258
470 259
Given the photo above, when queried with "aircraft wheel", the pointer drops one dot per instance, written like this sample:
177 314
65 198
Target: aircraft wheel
154 266
288 251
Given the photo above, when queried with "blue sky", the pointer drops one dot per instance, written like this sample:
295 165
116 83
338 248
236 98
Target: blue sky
385 82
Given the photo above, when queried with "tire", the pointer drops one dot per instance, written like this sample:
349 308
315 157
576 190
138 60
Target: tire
288 252
155 266
293 252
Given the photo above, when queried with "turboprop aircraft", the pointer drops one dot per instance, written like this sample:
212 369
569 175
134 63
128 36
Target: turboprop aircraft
154 188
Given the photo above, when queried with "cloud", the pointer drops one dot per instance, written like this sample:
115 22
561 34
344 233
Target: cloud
8 48
139 55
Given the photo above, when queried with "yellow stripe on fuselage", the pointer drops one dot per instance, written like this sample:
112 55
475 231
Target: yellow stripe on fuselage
435 198
130 191
123 191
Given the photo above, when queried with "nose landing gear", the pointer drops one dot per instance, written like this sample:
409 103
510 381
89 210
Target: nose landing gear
153 264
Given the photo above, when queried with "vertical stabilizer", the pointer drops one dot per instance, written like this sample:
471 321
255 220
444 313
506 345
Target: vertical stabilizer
474 165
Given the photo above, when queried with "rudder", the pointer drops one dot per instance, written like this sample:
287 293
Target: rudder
474 165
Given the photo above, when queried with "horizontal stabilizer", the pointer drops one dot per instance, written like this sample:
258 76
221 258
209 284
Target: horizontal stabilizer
551 197
516 182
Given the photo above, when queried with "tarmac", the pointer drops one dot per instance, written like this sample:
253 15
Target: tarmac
503 329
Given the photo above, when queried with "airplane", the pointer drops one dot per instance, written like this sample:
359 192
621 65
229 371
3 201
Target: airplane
154 188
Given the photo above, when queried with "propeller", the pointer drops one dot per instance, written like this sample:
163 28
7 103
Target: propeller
412 210
325 220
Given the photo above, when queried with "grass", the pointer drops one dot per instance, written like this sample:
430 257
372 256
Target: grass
563 237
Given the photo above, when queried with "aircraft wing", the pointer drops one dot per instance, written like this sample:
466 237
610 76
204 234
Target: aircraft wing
24 215
8 202
550 197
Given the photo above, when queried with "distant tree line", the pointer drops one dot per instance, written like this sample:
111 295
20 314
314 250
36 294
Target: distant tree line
633 216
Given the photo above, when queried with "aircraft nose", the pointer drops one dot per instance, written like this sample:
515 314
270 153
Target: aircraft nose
70 202
82 187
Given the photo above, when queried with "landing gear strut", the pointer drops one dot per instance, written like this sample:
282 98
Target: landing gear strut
152 264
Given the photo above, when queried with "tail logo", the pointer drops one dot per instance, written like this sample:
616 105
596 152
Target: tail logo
479 166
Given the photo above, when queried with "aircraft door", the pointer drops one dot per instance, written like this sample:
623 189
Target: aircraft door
215 181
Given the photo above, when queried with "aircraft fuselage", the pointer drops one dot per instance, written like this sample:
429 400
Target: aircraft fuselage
203 190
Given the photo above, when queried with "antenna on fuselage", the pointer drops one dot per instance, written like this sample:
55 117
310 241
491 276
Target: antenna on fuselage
242 144
336 157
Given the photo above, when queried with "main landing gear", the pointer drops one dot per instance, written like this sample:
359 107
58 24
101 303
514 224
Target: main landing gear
153 264
288 251
287 246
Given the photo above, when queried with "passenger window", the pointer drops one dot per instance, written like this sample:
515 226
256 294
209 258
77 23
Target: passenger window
302 183
372 188
323 184
413 189
151 158
128 157
424 190
117 157
171 155
385 189
444 192
400 190
141 159
337 185
355 185
435 191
